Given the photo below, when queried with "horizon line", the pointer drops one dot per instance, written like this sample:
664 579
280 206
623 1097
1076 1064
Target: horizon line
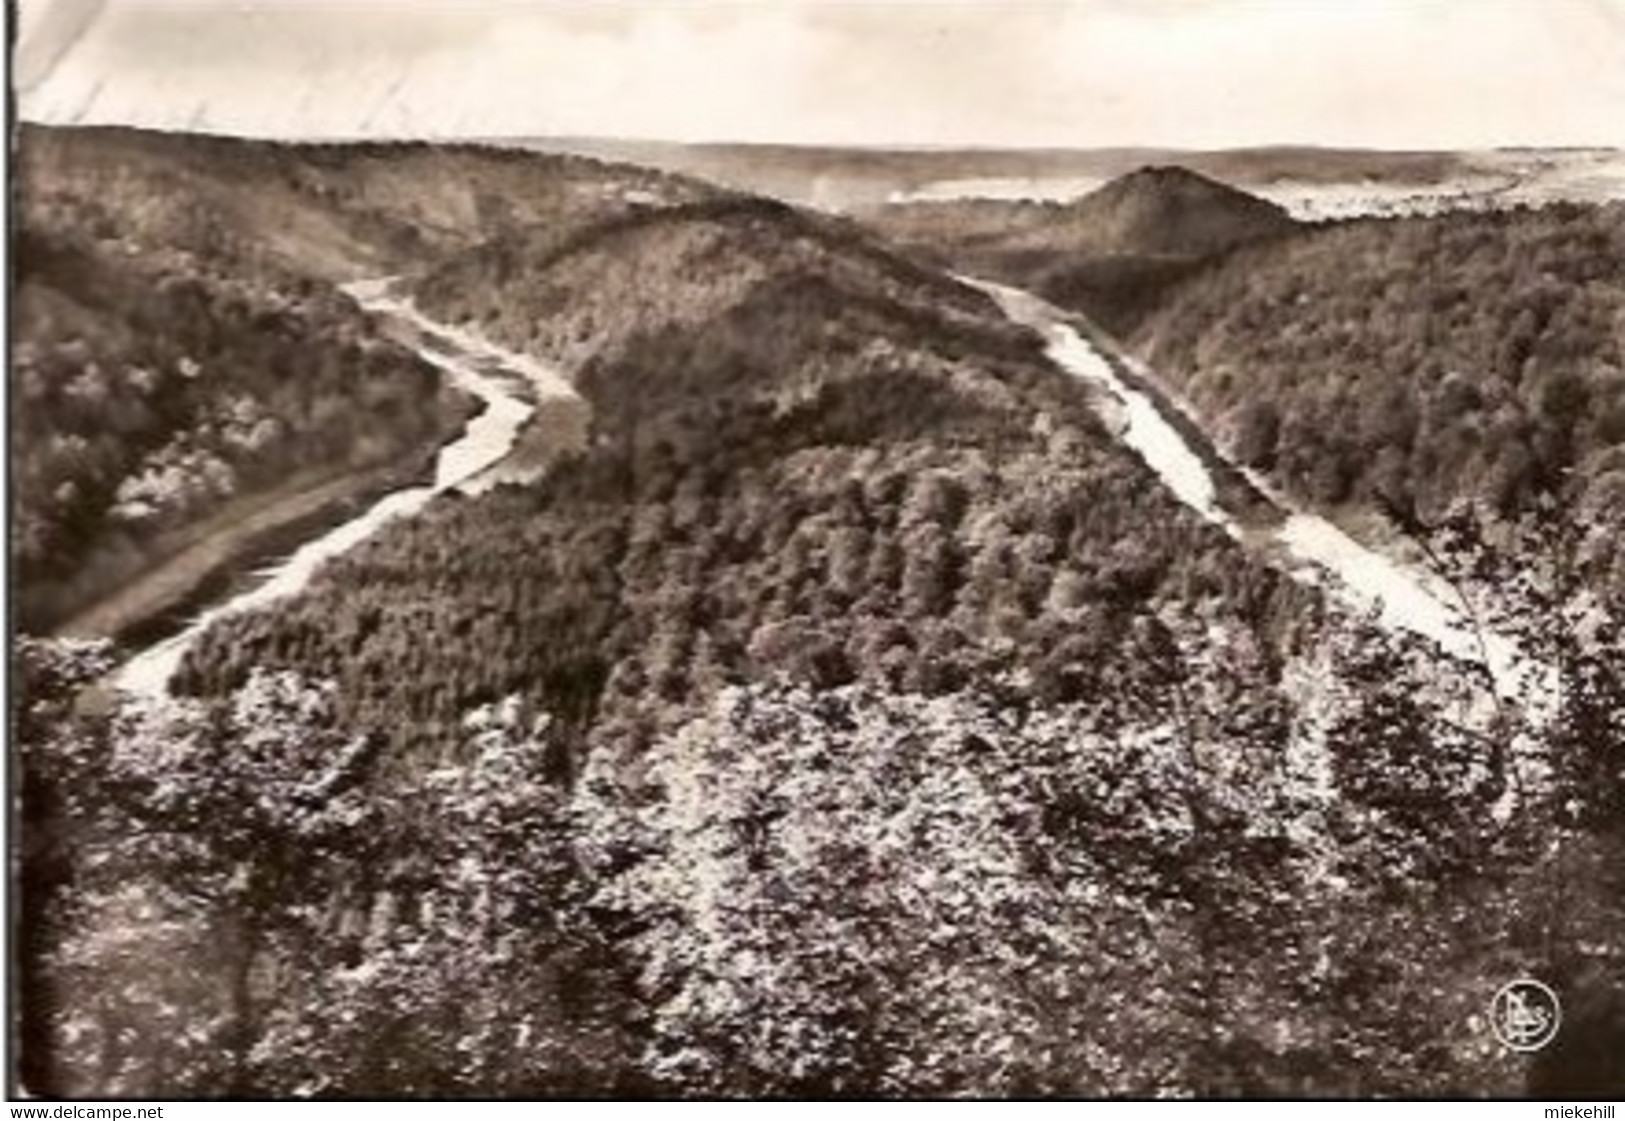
515 139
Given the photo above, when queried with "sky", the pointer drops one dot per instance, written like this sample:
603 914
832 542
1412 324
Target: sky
1052 73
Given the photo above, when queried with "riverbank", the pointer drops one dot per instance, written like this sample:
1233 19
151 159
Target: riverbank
217 555
477 460
1399 596
1245 502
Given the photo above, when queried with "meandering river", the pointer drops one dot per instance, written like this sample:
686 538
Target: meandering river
511 386
1399 596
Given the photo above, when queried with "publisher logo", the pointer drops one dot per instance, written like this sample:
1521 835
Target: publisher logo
1525 1015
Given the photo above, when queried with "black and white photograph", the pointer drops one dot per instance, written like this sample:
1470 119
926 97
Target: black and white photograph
816 549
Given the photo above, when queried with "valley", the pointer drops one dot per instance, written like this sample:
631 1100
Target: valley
487 453
914 651
1399 596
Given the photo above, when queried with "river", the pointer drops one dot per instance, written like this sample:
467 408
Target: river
1400 597
509 385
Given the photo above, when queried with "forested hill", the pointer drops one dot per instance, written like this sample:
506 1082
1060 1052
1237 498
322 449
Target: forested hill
876 697
1110 253
810 456
1157 211
335 211
852 716
586 290
1421 362
1163 210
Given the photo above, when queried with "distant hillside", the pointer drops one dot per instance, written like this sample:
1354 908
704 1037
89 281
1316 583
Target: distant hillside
1110 254
1156 211
335 211
857 178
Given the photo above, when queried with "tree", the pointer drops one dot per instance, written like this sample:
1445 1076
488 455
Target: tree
216 835
1258 429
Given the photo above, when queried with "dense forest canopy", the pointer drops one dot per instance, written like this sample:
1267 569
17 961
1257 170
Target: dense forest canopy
853 714
1423 362
150 391
808 478
582 292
